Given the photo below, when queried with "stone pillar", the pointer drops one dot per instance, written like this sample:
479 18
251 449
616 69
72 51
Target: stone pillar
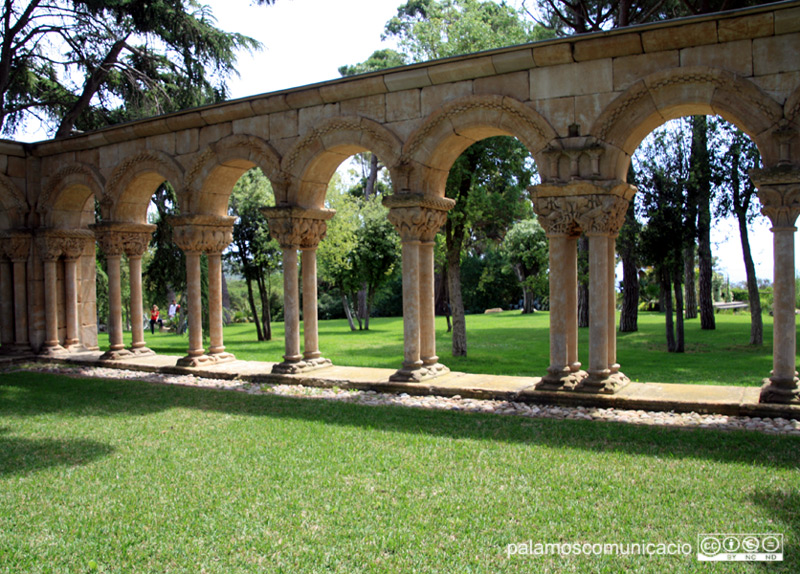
296 228
417 218
50 249
779 192
135 240
598 208
18 246
72 338
111 242
6 304
217 347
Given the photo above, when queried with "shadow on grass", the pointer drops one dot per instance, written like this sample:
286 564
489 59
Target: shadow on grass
22 396
23 455
783 505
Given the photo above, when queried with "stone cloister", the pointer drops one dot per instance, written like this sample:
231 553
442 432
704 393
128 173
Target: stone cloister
581 105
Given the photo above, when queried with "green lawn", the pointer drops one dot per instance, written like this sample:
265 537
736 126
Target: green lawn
515 344
131 477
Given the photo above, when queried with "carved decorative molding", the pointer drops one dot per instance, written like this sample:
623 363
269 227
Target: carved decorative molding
603 214
16 245
116 238
588 206
53 243
202 233
416 216
294 227
779 192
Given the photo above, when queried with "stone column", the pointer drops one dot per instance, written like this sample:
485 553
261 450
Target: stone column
135 239
570 286
6 304
613 366
297 228
779 192
111 242
50 249
17 247
417 218
72 252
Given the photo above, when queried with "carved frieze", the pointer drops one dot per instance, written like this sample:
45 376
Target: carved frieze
294 227
603 214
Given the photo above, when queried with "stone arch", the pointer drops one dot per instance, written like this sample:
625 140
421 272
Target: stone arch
211 178
15 206
677 92
133 183
65 198
447 133
312 161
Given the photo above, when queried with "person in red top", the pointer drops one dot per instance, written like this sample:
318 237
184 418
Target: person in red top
154 318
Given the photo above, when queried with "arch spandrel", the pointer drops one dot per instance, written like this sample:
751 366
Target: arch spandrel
133 183
15 206
436 144
65 194
210 180
312 161
679 92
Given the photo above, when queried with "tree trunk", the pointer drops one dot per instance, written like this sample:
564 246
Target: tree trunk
268 314
457 304
701 173
361 297
370 299
689 282
666 300
253 308
629 315
583 281
348 313
369 188
679 335
265 313
226 300
756 321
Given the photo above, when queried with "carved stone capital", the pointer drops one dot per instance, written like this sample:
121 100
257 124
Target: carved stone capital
202 233
16 245
417 217
53 243
588 206
131 238
779 192
295 227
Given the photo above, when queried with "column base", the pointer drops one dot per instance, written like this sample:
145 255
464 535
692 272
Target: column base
565 379
418 373
222 357
302 366
75 348
194 361
141 351
116 355
53 351
783 392
604 383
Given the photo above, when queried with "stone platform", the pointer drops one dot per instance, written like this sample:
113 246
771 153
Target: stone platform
714 399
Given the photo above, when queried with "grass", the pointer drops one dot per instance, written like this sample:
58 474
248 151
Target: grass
514 344
125 476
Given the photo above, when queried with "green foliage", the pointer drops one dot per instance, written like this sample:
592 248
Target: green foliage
101 288
527 249
379 60
165 271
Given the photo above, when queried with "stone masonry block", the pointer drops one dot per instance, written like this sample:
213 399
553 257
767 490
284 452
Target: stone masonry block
608 47
283 124
461 70
304 98
108 157
16 167
515 85
372 107
779 86
165 143
630 69
227 112
736 57
150 128
355 88
3 164
787 21
553 54
777 54
269 105
559 111
403 105
683 37
211 134
187 141
588 109
256 126
184 121
513 61
308 118
407 79
746 27
434 97
572 79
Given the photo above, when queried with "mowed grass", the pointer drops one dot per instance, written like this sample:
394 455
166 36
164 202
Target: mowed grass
513 344
131 477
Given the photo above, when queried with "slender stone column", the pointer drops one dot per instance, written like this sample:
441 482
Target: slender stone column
427 311
217 348
613 366
17 247
195 300
50 249
598 309
779 192
72 340
570 286
6 305
417 218
135 239
111 242
296 228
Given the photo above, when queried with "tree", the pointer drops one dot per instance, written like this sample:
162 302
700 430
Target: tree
253 253
699 183
629 253
85 64
527 248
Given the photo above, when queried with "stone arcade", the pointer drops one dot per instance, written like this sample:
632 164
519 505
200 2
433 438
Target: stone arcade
581 105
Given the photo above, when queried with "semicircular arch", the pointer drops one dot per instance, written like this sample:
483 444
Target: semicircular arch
438 142
15 206
134 182
678 92
312 161
63 202
214 173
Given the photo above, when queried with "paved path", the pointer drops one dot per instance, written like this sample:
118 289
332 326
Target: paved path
723 400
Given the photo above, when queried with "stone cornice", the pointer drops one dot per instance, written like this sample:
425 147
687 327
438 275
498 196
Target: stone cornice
398 200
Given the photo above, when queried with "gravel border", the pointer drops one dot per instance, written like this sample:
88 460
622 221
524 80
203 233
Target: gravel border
778 425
